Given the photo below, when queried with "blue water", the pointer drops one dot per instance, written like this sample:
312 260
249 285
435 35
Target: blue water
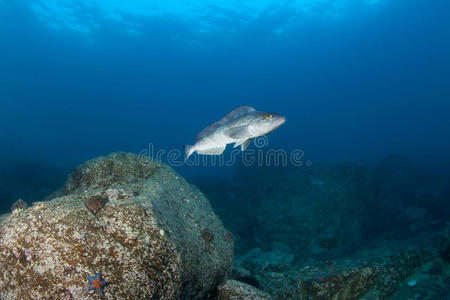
359 169
356 80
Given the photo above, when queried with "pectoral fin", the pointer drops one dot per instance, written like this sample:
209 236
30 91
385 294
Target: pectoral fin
243 143
238 143
212 151
238 133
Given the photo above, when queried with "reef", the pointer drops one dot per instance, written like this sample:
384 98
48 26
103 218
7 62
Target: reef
309 212
148 232
132 228
383 270
341 231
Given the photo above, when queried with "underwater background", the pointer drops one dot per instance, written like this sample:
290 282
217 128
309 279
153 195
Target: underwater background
364 86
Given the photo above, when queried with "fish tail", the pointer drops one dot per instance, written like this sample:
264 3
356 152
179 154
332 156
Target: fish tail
189 150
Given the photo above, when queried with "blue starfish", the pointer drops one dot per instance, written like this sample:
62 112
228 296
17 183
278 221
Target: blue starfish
97 283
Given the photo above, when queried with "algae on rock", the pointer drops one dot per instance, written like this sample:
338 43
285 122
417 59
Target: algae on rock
235 290
147 241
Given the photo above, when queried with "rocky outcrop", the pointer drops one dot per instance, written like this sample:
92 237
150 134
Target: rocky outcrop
353 278
371 274
317 211
148 232
115 169
313 212
337 231
235 290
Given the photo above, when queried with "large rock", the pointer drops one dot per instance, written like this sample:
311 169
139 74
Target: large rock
235 290
151 235
114 169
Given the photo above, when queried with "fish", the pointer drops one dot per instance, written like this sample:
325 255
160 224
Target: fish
240 126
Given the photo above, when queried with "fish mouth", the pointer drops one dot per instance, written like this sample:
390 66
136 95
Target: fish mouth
278 121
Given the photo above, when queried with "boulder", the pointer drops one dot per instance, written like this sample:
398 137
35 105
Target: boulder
148 232
235 290
115 169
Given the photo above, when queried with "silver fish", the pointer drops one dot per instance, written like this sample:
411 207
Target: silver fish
240 127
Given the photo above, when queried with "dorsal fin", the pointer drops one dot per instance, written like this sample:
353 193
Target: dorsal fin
234 114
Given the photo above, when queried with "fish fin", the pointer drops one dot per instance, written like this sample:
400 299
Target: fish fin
245 144
212 151
238 143
234 114
238 133
189 150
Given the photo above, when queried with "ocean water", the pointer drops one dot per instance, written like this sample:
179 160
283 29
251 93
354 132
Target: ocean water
364 86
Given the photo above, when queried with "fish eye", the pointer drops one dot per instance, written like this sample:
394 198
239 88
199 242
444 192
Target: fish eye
268 116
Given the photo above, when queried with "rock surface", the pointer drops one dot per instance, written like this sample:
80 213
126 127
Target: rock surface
19 204
383 271
315 212
115 169
338 231
312 212
235 290
354 278
148 240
